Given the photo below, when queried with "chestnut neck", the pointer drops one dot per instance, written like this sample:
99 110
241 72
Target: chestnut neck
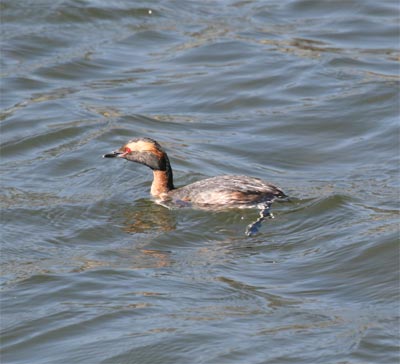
162 179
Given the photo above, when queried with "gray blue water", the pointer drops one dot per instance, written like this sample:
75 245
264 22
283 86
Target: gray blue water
304 94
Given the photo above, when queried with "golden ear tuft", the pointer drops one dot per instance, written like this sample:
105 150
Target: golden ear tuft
144 146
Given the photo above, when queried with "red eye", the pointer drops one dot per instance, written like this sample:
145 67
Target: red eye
127 150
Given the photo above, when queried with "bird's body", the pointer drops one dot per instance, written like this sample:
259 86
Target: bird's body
227 192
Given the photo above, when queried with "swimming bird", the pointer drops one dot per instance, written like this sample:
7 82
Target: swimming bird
215 193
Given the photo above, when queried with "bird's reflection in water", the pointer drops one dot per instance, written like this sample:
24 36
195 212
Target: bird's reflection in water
156 258
147 216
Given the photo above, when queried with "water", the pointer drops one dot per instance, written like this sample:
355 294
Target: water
301 93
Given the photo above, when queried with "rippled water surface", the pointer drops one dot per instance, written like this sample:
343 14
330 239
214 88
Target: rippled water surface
301 93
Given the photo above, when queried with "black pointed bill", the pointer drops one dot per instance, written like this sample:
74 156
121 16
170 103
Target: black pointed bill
113 154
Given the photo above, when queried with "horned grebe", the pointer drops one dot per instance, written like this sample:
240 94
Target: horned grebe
219 192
